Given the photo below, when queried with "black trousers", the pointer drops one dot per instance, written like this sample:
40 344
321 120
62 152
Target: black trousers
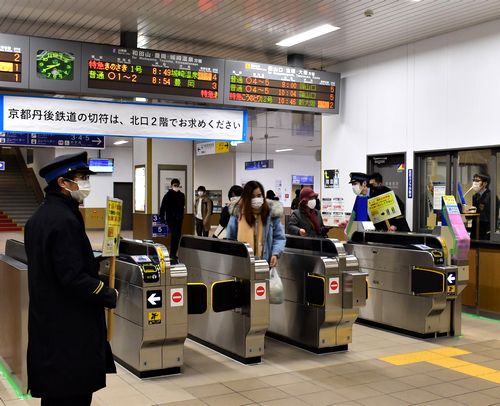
80 400
175 235
200 230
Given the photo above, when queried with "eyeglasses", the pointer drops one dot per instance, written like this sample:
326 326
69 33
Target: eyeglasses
477 180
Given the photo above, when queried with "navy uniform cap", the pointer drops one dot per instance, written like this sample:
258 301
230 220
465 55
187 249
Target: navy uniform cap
358 177
64 164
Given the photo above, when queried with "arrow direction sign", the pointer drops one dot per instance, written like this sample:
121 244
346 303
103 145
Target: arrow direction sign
154 299
2 165
451 278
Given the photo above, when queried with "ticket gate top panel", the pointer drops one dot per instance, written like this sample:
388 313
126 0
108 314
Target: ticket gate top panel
414 241
15 249
408 241
324 246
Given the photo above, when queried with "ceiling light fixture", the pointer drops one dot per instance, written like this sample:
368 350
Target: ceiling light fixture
307 35
283 150
121 142
140 99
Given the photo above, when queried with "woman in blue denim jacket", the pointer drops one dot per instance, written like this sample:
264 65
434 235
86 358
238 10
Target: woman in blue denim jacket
256 221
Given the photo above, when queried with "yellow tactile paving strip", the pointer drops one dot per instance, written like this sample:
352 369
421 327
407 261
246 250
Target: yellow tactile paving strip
443 357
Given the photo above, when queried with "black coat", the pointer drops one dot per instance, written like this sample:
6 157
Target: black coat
482 202
298 219
66 323
172 208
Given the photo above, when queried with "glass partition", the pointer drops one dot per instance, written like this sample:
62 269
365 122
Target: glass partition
453 173
434 174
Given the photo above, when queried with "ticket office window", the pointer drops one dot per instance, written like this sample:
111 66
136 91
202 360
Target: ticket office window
434 171
443 173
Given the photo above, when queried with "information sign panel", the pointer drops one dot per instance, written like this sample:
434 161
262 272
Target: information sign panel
283 87
52 140
14 61
159 74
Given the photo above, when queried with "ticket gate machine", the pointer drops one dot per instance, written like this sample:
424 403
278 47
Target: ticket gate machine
14 311
238 315
150 319
412 284
323 291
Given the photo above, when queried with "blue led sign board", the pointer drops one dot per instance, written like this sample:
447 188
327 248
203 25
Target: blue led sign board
264 164
302 180
52 140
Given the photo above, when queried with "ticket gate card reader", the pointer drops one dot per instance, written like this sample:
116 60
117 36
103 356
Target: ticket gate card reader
323 291
150 319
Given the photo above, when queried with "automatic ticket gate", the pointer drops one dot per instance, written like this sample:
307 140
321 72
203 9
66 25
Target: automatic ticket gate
14 311
150 319
412 285
323 291
238 314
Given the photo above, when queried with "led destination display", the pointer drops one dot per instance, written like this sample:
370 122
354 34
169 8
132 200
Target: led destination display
283 87
14 62
10 66
144 72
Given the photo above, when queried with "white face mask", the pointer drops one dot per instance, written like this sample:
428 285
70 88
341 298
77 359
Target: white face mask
82 192
175 188
257 202
311 204
200 193
356 189
234 199
476 186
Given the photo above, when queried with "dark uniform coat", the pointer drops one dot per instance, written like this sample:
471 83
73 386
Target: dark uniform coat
66 325
482 202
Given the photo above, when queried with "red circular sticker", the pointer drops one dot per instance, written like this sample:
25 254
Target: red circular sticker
176 297
260 290
334 285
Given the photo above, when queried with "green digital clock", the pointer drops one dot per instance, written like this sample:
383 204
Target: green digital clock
55 65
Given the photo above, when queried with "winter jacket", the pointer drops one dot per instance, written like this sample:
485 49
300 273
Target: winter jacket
274 235
299 219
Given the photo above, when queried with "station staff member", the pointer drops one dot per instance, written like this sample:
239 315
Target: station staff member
361 187
66 324
481 201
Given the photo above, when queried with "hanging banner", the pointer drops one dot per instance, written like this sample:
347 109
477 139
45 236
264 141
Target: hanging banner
83 117
112 227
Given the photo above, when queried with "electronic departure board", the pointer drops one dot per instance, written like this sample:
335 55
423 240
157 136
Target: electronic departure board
14 61
155 74
281 87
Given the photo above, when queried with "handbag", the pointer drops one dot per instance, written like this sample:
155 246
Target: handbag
276 295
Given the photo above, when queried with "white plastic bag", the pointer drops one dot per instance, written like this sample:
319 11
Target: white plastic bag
220 232
275 287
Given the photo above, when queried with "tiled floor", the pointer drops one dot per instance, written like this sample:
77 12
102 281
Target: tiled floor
289 376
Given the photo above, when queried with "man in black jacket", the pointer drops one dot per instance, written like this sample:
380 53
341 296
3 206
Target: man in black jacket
482 202
361 187
172 214
66 324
